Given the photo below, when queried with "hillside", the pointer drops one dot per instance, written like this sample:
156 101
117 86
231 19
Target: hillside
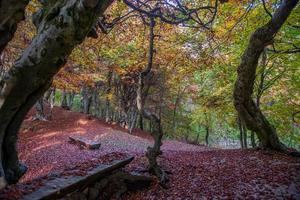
196 171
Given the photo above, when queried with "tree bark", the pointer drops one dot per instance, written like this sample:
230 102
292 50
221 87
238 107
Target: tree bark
65 26
108 90
86 99
157 132
40 114
244 132
133 121
207 129
96 100
253 144
250 114
70 99
206 135
51 100
64 103
11 13
241 133
141 122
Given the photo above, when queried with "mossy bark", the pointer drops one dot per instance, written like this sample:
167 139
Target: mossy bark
248 111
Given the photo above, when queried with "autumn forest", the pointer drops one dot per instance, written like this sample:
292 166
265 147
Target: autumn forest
149 99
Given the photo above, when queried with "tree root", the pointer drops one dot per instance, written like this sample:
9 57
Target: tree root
283 149
293 153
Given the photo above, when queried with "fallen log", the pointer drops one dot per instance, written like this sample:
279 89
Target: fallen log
85 143
60 187
113 187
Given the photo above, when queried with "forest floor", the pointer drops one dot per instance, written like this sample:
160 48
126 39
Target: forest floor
198 172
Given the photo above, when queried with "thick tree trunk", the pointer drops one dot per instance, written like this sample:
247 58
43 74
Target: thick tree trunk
65 26
246 107
11 13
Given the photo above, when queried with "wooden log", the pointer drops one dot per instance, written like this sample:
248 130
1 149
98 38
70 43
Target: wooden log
114 186
59 187
85 143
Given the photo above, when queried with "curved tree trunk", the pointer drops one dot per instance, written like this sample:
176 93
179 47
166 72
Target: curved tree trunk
66 25
11 13
156 132
248 111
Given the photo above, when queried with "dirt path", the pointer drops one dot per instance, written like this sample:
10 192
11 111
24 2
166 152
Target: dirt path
197 172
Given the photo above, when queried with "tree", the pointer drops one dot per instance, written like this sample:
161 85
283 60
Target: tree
248 111
63 25
11 13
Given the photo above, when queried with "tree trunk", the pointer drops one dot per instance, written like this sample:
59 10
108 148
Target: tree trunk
157 132
70 99
241 132
51 101
246 107
11 13
141 122
40 114
96 101
206 135
86 99
66 25
133 122
64 103
245 135
253 144
108 90
176 105
207 125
